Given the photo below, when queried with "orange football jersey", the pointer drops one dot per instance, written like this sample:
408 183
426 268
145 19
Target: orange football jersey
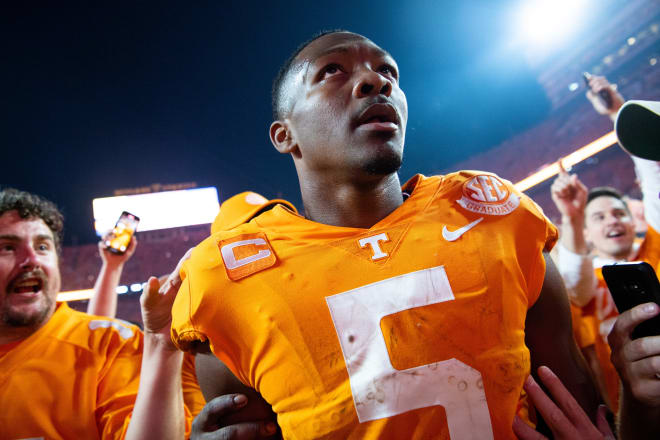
413 328
77 377
74 378
601 313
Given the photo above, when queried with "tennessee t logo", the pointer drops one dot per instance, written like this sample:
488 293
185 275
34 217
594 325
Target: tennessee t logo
375 247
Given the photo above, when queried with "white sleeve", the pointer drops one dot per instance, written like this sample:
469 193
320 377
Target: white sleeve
648 173
578 273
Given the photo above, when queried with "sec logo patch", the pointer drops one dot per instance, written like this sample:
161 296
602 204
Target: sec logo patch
487 194
246 254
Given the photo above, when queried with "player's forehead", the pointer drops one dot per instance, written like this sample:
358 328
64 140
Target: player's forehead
12 224
604 204
338 42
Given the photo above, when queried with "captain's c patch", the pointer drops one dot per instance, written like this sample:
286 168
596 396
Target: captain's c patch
246 254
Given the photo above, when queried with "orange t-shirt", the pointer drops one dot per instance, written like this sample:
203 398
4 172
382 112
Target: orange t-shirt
582 330
601 312
192 394
413 328
76 377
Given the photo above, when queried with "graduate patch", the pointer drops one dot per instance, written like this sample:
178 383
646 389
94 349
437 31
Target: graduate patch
485 194
246 254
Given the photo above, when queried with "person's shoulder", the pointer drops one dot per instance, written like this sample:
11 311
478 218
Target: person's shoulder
94 333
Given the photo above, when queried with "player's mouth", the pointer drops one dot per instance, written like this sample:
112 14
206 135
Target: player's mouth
616 233
27 285
378 117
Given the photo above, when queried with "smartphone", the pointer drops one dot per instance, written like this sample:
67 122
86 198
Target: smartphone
604 94
118 239
632 284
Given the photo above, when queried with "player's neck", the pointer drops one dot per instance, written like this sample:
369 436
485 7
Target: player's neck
9 334
13 333
623 256
350 204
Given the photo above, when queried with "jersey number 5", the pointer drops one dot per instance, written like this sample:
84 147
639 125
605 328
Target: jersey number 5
379 390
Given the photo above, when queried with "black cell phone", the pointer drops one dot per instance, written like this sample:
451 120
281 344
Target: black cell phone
604 94
119 238
632 284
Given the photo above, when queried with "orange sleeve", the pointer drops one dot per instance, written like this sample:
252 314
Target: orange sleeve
650 249
192 394
582 329
184 331
546 236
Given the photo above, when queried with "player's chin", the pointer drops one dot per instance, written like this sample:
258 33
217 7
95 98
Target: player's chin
386 161
26 315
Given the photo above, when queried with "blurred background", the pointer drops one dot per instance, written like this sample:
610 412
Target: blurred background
106 100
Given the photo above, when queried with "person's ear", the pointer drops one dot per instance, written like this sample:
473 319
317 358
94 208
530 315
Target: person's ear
282 137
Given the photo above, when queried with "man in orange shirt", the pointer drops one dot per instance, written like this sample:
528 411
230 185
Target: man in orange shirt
66 374
386 312
601 220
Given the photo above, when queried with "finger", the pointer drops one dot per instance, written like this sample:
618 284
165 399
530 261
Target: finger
562 397
525 432
149 291
602 424
216 408
243 431
174 279
552 415
562 169
642 348
627 321
647 368
132 245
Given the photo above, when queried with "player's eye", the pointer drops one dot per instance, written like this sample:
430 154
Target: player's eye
43 247
387 69
7 248
331 69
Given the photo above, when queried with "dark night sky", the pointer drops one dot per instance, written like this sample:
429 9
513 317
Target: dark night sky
97 98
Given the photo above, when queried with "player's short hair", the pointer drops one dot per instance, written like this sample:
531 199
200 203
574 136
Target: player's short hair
605 191
280 78
32 206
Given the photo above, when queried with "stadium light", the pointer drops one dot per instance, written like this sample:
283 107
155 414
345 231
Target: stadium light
546 23
160 210
75 295
575 157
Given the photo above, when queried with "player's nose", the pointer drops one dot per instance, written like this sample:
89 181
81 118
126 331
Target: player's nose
371 83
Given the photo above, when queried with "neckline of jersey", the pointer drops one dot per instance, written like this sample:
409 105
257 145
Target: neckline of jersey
412 187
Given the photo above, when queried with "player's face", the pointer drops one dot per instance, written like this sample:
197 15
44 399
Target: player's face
610 227
348 112
29 271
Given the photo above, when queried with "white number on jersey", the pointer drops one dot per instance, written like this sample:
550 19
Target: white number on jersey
379 390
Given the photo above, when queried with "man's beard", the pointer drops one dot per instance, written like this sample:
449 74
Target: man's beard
384 164
16 317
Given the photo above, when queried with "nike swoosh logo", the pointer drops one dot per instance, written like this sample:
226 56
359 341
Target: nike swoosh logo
455 235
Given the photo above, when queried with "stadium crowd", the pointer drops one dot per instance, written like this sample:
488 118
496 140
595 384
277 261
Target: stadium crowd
293 325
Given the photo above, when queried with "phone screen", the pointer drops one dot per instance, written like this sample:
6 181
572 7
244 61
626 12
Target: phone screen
118 239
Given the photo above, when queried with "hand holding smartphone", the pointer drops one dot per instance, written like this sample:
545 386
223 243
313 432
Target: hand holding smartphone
118 239
603 94
632 284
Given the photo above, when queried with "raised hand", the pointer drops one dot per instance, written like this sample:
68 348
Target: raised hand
569 194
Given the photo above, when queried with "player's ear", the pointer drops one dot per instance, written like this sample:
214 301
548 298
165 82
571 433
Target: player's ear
282 137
